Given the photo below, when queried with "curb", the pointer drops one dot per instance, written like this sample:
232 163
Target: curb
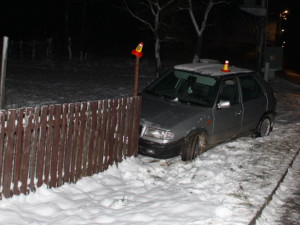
270 197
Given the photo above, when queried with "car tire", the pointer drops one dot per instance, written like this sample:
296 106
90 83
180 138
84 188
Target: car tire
194 144
264 127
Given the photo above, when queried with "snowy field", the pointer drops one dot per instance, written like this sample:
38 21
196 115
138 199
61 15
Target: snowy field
226 185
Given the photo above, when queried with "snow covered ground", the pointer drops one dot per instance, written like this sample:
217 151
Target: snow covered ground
226 185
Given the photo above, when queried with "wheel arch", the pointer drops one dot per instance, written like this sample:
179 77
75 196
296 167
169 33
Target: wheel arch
196 130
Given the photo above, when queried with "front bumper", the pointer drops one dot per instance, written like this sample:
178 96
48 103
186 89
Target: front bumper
162 151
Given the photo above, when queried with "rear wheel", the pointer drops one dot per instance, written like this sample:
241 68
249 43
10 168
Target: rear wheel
264 127
194 144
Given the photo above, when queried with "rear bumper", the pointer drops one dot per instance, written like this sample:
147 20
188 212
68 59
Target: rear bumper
162 151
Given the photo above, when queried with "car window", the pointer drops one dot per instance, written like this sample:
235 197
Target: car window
229 91
250 88
164 84
185 86
206 80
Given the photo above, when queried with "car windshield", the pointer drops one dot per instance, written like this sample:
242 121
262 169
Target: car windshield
185 86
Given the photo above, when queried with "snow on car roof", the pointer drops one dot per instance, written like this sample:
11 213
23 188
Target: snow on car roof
213 69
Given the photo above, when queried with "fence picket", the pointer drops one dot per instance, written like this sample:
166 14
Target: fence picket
99 127
103 135
41 147
136 125
74 148
2 149
86 139
118 132
62 145
122 129
112 130
55 144
10 129
130 121
69 141
49 142
92 149
33 149
126 128
107 136
81 139
18 149
26 150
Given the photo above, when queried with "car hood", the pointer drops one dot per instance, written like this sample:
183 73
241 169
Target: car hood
168 114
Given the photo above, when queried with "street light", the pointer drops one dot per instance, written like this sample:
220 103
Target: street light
283 15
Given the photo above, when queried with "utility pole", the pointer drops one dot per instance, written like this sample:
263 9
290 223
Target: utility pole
262 38
3 71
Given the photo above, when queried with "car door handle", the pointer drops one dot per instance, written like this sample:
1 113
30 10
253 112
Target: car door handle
238 113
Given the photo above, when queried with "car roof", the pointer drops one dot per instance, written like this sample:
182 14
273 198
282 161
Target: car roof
212 69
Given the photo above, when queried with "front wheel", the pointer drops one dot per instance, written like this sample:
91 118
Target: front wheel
194 144
264 127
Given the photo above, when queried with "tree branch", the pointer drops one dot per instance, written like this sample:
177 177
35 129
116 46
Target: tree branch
137 17
167 4
193 18
151 7
209 6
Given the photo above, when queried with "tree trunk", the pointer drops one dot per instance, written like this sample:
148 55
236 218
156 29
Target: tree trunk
70 48
157 56
83 50
67 36
198 49
200 31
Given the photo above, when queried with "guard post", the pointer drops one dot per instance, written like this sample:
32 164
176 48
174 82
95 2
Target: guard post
138 53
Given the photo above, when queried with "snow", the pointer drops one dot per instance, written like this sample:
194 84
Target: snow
228 184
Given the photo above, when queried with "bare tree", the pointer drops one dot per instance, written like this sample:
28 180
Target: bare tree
69 7
200 29
83 35
152 19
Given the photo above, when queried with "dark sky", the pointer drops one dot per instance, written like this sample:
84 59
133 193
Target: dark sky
39 19
106 23
45 17
42 18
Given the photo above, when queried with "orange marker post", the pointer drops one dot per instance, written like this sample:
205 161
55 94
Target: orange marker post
226 66
138 53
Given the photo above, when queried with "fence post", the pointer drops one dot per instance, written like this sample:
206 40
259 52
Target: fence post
3 71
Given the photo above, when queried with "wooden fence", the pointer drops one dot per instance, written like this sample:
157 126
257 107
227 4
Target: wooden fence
61 143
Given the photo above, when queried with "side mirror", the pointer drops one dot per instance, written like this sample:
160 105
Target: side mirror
223 104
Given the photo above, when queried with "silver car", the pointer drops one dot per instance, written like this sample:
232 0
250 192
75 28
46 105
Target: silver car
196 106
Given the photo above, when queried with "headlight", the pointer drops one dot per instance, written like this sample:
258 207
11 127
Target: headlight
158 133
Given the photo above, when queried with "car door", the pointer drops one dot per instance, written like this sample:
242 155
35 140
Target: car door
227 120
254 102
